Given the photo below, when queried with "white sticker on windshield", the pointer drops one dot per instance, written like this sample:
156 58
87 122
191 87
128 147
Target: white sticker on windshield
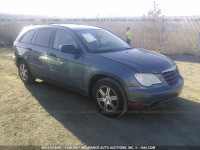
89 37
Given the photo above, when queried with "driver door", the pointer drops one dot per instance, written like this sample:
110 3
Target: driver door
65 67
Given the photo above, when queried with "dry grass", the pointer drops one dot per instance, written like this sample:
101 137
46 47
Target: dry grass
189 69
21 113
176 37
43 114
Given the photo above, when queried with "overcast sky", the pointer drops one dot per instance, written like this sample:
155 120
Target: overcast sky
101 8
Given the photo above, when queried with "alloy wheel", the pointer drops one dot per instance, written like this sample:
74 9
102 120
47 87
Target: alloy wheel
107 98
23 72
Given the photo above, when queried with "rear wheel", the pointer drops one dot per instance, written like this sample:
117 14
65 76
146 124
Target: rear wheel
108 98
25 73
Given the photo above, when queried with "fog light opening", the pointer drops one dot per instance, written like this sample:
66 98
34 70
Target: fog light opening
154 105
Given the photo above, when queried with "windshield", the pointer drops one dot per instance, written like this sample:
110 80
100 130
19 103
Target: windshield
99 40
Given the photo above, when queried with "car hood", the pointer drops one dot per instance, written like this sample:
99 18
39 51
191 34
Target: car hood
141 60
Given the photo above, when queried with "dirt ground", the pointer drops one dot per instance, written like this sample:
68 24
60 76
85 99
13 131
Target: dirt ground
43 114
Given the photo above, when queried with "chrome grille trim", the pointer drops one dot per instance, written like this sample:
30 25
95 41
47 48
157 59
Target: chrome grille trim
171 76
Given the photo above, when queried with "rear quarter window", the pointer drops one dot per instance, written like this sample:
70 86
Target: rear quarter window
43 37
27 37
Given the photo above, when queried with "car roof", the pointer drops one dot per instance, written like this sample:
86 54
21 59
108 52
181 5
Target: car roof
70 26
76 26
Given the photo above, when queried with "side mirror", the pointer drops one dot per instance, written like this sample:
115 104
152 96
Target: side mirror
69 49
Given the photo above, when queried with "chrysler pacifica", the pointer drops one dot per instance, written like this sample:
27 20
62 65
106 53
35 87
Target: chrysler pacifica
95 62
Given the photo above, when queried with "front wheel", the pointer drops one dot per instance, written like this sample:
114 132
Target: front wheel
108 98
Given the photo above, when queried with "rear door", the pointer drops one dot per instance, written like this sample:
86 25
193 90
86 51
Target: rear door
65 68
21 45
39 47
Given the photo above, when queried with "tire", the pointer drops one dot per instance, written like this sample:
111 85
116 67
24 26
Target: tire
108 97
24 73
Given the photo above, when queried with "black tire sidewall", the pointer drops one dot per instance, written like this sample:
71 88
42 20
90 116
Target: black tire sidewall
113 86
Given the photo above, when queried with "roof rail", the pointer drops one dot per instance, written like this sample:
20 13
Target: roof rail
36 24
50 23
42 24
60 23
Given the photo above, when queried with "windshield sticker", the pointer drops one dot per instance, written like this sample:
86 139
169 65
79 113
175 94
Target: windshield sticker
89 37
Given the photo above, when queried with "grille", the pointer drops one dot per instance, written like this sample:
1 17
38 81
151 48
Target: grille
171 76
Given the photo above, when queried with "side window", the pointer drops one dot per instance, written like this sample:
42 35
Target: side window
63 38
27 37
43 37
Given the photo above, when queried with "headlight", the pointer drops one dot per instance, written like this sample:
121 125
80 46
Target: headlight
146 79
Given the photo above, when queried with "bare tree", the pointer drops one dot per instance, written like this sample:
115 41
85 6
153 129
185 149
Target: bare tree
155 11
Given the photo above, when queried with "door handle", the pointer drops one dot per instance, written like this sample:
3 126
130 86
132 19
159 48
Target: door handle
30 49
53 55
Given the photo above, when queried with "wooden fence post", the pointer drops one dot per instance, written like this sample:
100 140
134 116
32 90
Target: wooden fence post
161 24
11 30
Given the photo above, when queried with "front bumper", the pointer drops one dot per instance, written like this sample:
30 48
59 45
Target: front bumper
154 96
15 59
